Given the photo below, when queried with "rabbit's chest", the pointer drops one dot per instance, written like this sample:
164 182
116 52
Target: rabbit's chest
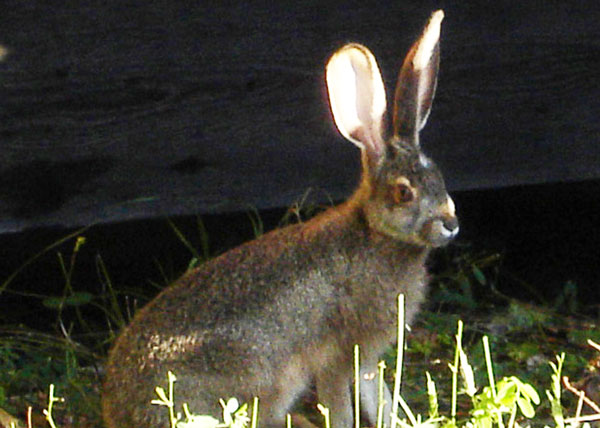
368 294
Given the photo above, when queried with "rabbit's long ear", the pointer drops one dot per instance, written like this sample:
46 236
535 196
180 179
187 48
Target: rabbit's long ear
417 81
357 97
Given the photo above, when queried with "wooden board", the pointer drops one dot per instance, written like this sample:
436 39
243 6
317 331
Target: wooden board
136 109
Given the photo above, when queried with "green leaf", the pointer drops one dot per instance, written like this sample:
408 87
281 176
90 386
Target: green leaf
485 422
467 374
478 274
79 243
432 395
526 408
53 302
79 298
161 394
529 391
506 392
199 421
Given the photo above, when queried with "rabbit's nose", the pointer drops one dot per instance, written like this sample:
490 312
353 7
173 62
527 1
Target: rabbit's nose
450 227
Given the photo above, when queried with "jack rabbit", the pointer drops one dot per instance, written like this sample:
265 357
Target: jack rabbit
270 317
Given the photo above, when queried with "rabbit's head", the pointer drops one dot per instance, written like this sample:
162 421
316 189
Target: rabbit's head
402 194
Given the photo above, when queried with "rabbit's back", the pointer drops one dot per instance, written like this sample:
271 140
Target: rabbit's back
292 285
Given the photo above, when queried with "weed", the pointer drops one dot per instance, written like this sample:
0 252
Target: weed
234 415
461 276
524 336
497 404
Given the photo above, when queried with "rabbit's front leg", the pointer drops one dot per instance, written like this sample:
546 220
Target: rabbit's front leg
333 391
369 394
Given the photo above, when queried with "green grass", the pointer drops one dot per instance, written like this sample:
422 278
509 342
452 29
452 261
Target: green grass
524 339
507 403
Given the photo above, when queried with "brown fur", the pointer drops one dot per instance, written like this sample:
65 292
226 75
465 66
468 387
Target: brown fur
269 317
303 293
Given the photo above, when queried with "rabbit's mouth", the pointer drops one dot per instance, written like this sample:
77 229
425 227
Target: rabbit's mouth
440 231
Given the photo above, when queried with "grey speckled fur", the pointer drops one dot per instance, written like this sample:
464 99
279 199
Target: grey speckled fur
273 315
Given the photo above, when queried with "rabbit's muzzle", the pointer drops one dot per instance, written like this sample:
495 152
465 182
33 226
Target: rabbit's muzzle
440 230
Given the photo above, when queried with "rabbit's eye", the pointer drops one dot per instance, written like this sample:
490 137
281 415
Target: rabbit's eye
402 194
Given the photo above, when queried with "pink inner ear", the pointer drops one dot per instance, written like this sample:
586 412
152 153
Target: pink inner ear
357 96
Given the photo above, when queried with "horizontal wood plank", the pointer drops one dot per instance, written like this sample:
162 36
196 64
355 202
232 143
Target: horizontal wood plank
141 109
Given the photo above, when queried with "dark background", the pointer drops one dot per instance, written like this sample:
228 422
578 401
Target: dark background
141 109
123 114
546 236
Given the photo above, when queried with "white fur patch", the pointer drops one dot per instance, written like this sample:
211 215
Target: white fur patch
170 347
449 233
369 376
451 207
